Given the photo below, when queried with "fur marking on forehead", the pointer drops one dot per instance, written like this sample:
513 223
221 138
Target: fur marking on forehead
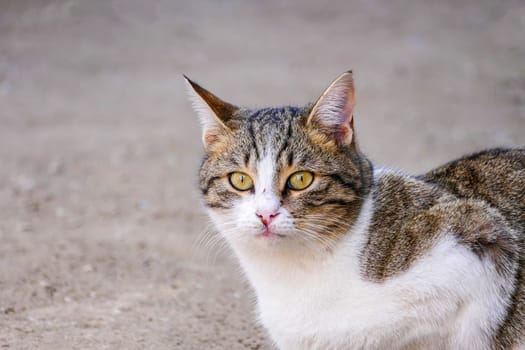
265 171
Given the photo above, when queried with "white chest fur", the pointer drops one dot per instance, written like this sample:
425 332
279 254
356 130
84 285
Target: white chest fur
443 302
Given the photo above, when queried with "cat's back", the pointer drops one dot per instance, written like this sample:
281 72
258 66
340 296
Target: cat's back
496 176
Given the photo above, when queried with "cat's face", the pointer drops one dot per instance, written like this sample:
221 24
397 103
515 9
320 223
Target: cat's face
281 177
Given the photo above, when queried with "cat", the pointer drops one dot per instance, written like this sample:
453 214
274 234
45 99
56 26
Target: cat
342 254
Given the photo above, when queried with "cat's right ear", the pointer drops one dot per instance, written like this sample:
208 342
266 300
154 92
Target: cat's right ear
213 112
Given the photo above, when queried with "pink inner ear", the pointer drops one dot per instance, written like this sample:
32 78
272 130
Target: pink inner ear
210 138
345 132
339 123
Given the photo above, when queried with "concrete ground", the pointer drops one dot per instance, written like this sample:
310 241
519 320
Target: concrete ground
99 149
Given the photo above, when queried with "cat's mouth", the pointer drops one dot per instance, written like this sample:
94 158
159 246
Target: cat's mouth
268 233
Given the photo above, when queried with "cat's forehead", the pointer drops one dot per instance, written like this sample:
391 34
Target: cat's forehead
277 136
269 128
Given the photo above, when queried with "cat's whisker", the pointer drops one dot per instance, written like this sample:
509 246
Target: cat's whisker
209 242
314 229
321 227
311 235
212 242
326 218
323 217
201 240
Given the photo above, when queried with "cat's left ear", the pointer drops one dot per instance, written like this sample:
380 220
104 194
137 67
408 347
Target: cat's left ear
213 112
332 114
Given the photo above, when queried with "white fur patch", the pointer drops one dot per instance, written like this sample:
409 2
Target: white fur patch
265 173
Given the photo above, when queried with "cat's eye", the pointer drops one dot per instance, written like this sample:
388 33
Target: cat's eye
300 180
240 181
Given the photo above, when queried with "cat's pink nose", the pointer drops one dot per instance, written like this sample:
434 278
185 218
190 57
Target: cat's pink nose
266 216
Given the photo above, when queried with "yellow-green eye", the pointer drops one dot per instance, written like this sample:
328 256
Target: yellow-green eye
300 180
241 181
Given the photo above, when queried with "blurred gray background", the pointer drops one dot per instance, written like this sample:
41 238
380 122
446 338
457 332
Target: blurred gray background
99 149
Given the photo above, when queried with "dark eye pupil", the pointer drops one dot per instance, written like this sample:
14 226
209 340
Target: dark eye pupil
301 178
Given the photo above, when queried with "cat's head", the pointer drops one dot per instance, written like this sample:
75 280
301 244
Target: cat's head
282 178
